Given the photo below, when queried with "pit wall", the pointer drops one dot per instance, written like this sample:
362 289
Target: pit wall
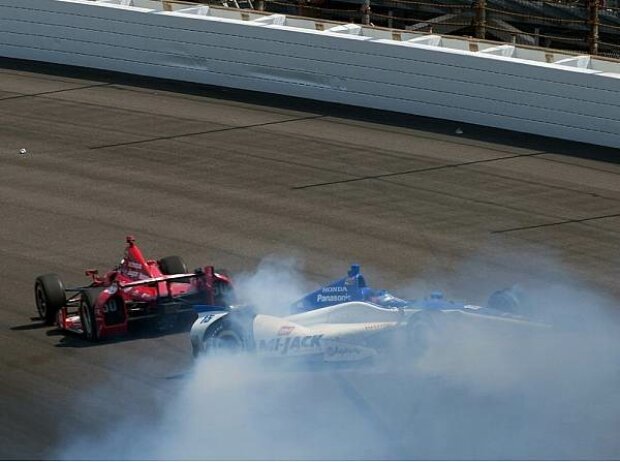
570 101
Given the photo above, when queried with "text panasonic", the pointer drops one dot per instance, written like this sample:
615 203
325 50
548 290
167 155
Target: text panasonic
333 298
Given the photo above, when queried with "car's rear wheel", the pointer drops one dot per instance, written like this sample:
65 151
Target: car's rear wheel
172 265
421 329
87 314
223 338
504 300
49 294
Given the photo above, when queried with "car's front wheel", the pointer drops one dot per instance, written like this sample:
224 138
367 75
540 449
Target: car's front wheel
49 295
421 329
87 314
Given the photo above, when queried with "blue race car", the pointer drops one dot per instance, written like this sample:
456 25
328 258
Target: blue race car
353 288
345 321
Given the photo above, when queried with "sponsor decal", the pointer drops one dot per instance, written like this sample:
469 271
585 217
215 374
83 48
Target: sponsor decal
286 330
332 298
134 265
290 344
329 290
137 275
138 293
342 351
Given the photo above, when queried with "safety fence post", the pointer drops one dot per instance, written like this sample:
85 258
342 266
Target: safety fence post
480 19
593 25
365 10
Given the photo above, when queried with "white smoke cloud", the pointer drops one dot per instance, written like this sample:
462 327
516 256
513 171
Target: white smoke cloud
479 392
273 287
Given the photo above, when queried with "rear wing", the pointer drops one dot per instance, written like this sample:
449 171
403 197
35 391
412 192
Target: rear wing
166 278
141 282
215 287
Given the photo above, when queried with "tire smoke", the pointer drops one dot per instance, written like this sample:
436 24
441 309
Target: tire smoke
478 392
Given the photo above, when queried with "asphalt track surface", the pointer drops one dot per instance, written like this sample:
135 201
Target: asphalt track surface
226 177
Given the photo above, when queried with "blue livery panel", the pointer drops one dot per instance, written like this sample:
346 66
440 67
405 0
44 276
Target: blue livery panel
353 288
348 289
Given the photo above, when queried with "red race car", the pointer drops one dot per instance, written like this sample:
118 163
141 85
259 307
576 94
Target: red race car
162 291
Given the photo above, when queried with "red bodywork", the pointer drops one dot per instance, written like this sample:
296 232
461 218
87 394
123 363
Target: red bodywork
137 289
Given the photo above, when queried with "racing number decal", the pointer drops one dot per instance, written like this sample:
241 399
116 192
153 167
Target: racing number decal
113 311
206 319
111 306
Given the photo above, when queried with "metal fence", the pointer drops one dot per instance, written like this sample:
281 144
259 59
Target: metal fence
591 26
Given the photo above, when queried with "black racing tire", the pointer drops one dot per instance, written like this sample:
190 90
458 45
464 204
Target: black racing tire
50 296
172 265
420 330
505 300
88 298
224 337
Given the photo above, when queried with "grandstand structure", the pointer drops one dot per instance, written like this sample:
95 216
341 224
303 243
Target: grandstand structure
591 26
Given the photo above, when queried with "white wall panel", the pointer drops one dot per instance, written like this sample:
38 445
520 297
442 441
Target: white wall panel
527 96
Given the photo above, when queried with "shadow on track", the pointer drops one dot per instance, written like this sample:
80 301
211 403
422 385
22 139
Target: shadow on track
36 323
137 332
75 340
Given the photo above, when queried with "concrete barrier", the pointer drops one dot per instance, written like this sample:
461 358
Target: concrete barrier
517 88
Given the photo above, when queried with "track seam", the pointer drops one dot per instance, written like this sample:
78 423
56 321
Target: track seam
419 170
557 223
53 92
204 132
